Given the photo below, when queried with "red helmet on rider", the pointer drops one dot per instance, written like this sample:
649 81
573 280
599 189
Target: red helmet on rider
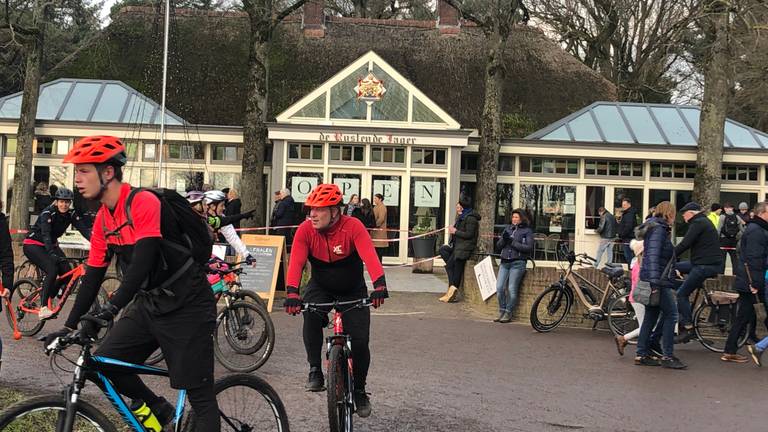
324 195
97 150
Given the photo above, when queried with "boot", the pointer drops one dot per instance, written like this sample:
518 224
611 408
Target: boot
501 315
507 317
452 294
448 294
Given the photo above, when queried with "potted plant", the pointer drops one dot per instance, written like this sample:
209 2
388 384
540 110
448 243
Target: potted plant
424 245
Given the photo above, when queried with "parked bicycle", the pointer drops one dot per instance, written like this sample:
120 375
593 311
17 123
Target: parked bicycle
552 306
713 318
246 402
25 298
245 334
339 364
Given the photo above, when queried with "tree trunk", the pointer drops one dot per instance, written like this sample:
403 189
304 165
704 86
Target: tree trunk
709 155
490 141
22 177
255 128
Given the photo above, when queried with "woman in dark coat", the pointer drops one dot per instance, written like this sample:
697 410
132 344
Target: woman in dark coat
364 213
464 239
516 245
6 264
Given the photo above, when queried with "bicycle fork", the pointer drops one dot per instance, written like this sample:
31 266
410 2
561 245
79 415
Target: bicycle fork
72 395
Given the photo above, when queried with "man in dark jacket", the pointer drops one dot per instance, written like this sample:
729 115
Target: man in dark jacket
627 226
607 231
706 260
464 239
750 279
284 215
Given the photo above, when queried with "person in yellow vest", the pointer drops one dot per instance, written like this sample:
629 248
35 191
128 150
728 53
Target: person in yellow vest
714 214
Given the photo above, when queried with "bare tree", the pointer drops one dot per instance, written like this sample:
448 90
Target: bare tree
497 19
382 9
635 44
264 17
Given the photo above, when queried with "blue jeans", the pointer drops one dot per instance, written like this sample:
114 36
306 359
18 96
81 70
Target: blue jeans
763 344
667 308
628 254
508 284
697 274
606 246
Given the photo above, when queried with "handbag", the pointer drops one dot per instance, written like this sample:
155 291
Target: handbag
647 295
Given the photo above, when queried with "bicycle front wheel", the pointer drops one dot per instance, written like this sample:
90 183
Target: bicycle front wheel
340 404
46 413
244 338
27 270
26 292
246 403
712 324
550 308
621 316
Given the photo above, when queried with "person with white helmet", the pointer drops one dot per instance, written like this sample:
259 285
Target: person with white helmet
210 205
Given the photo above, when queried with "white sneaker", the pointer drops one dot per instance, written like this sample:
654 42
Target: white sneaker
44 313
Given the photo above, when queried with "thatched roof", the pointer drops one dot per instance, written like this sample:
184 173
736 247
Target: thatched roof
209 54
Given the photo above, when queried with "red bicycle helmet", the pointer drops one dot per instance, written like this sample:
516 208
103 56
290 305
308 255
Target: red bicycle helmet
97 150
324 195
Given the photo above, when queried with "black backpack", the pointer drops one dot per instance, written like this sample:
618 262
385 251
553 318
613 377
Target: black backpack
731 226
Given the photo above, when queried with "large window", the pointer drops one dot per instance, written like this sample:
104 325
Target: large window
469 163
505 203
595 200
673 170
390 188
183 181
427 204
185 151
388 155
50 146
221 180
612 168
635 197
226 153
305 152
568 167
506 164
10 145
347 153
658 195
742 173
301 184
552 209
427 157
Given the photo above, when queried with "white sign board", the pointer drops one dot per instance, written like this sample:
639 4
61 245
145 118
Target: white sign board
486 277
426 194
220 251
181 185
348 186
301 187
570 198
390 189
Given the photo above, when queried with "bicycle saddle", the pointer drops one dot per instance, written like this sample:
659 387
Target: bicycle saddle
613 270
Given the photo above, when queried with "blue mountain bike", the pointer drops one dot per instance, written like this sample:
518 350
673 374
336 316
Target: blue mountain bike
246 403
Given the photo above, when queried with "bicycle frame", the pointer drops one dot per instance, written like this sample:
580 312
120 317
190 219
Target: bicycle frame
89 363
75 274
573 278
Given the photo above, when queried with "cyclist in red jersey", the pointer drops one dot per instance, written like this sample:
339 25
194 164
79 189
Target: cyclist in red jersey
337 246
173 306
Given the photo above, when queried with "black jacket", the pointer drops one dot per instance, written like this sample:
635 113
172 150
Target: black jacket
703 241
753 251
465 238
284 212
51 224
6 253
233 207
368 220
516 243
607 227
657 252
627 224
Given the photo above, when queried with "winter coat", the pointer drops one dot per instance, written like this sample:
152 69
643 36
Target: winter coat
285 212
368 219
753 251
627 224
233 207
703 241
657 253
607 227
380 234
516 243
464 239
52 224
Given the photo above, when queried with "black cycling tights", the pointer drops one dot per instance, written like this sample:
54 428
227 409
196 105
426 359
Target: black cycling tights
357 324
52 267
202 399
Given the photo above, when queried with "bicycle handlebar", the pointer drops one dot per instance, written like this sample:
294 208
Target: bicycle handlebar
363 302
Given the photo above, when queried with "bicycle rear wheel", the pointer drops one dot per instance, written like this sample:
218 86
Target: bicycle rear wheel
45 413
244 338
27 270
27 292
550 308
340 404
712 324
246 403
621 316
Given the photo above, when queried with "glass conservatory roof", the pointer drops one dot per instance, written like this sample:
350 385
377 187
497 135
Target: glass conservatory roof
633 123
93 101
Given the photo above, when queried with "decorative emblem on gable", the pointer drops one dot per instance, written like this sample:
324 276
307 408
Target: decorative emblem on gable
370 88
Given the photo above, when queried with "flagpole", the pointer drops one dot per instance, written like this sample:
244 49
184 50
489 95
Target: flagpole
161 177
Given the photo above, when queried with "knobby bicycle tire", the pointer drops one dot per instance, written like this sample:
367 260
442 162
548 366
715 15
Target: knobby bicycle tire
711 326
558 304
248 295
28 270
231 333
268 406
339 394
27 414
27 323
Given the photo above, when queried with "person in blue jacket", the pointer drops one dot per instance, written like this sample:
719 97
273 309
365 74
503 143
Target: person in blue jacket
516 245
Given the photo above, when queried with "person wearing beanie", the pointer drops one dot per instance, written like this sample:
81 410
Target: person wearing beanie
744 212
703 242
464 235
714 214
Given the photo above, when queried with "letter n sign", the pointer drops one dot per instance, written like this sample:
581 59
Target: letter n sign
426 194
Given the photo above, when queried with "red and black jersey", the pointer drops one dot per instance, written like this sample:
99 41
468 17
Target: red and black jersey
337 256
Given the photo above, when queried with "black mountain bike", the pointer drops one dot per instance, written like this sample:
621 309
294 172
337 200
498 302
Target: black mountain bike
341 384
246 403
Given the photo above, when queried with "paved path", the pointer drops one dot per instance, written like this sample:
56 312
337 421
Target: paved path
437 369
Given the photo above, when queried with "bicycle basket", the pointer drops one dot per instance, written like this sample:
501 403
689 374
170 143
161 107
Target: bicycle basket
723 297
